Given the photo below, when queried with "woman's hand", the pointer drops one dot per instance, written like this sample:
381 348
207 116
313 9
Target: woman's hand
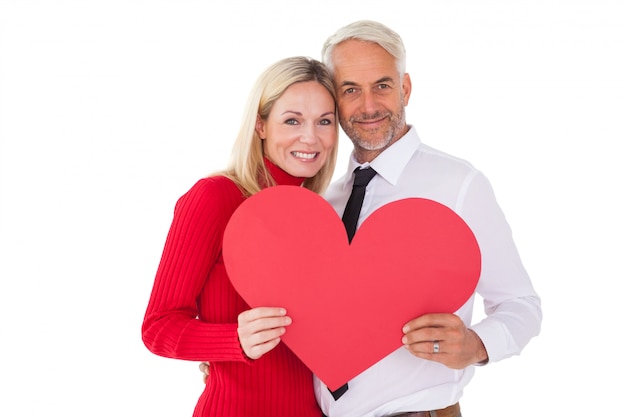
260 329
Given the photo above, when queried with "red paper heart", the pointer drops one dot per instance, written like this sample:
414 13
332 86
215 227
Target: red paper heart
286 247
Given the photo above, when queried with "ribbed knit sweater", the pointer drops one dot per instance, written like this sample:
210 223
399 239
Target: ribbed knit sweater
193 309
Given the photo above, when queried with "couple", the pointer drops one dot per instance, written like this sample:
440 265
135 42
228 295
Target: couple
289 137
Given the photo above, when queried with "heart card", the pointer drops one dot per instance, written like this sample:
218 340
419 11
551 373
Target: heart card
287 247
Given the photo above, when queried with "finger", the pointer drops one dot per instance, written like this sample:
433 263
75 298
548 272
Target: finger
259 338
204 368
424 335
426 346
253 344
261 312
260 329
256 351
431 350
263 324
428 320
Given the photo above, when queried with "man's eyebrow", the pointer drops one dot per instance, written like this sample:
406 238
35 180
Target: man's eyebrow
348 83
385 79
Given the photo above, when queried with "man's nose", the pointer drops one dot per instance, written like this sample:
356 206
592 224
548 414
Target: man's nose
368 103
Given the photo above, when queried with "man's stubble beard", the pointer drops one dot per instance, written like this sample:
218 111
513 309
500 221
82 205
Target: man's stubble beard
391 134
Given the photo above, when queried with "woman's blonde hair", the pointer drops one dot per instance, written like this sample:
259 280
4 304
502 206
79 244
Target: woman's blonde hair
247 168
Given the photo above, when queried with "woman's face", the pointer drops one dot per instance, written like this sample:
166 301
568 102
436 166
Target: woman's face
300 131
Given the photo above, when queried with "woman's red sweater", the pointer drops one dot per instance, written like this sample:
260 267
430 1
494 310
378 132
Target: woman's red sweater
193 309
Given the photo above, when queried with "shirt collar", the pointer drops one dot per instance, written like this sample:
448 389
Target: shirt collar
391 162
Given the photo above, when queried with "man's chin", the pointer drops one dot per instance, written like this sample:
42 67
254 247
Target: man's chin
370 142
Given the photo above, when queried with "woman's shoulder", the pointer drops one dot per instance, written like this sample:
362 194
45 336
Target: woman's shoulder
215 190
215 183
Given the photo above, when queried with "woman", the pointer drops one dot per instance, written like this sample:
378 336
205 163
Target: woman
288 137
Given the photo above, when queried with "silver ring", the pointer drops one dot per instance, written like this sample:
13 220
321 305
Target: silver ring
435 347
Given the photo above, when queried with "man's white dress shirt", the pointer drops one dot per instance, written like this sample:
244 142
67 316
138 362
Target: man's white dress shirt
400 381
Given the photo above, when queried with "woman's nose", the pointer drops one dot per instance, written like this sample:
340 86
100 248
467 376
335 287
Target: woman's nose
309 135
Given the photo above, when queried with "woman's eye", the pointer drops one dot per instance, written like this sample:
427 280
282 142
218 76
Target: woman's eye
326 122
291 122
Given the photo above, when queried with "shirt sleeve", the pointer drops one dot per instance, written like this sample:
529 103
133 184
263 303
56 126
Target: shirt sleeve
512 307
171 327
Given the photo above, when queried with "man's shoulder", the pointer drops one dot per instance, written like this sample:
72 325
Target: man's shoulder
444 157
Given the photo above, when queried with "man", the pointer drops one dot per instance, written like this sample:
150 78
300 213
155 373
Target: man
367 61
427 376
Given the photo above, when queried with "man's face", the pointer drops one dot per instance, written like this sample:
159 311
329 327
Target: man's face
371 97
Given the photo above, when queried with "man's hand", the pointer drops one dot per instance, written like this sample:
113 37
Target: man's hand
458 346
260 329
205 368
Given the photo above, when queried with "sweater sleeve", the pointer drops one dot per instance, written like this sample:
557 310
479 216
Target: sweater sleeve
171 327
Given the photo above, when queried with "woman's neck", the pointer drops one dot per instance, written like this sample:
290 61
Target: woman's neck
280 176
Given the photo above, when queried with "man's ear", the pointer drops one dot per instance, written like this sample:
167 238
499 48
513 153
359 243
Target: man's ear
260 127
406 88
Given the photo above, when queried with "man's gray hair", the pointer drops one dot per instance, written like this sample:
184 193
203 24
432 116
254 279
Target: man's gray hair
368 31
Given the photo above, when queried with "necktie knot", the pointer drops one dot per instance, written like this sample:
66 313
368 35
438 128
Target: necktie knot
352 211
362 177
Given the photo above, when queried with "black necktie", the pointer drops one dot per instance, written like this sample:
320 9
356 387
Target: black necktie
350 217
362 177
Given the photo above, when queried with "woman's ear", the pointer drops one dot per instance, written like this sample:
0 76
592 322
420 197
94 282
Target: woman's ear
260 127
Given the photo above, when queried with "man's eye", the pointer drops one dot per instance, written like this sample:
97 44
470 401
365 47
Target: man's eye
383 86
349 90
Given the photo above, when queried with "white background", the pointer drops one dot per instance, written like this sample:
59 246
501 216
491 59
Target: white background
110 110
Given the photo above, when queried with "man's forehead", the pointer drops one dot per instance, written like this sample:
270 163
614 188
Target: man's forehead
359 62
365 75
